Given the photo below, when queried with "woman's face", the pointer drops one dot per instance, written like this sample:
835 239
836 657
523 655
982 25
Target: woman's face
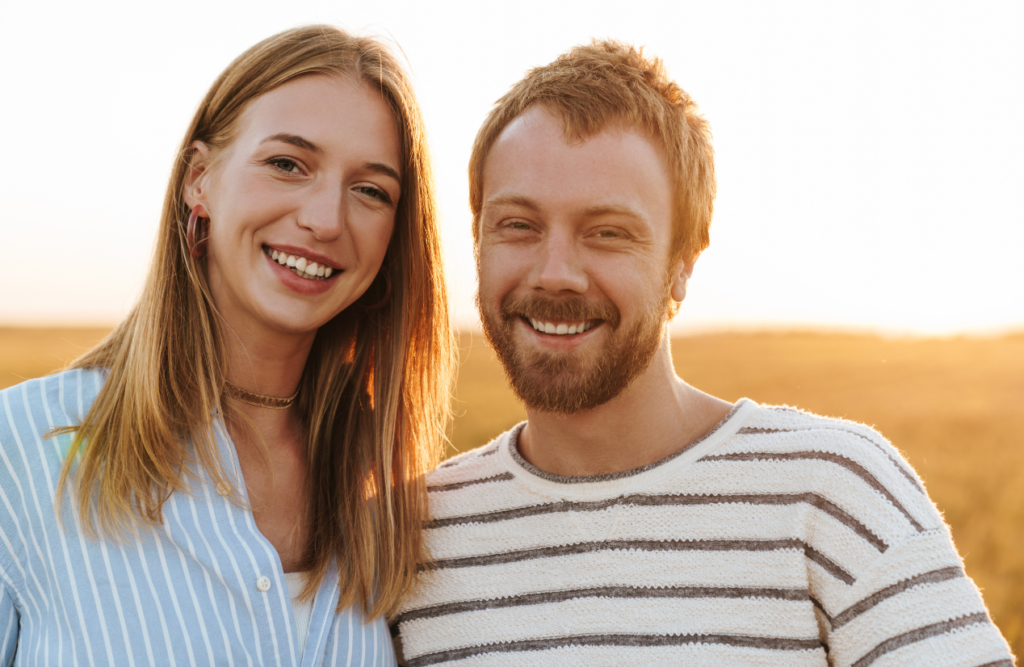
301 204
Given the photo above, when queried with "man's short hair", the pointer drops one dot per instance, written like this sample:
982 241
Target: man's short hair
605 82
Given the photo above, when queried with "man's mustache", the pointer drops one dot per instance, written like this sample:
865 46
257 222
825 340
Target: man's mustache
561 309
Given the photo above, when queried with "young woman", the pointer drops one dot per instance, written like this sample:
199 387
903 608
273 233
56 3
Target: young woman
234 476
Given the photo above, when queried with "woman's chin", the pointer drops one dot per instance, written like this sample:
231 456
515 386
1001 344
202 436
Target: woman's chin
286 317
298 326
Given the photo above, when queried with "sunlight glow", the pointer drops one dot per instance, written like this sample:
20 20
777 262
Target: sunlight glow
868 155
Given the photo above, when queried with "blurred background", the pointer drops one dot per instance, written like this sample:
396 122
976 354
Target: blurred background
865 257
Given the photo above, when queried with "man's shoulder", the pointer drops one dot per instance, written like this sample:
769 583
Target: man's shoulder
467 465
773 425
473 481
835 457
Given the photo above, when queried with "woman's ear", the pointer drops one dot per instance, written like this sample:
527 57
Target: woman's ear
681 276
196 176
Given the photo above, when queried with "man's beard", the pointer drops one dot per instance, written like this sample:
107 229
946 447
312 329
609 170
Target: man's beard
567 382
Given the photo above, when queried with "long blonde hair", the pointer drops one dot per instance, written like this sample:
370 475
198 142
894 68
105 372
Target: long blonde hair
374 392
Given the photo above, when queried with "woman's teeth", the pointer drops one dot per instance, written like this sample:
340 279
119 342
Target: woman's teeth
562 329
299 265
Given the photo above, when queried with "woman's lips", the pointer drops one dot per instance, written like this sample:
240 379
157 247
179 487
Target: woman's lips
300 265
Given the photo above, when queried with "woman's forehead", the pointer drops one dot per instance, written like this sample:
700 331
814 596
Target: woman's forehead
327 113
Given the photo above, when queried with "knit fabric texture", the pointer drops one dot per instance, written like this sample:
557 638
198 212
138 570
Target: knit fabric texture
780 538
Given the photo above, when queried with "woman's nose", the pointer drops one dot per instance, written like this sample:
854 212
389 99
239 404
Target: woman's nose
323 212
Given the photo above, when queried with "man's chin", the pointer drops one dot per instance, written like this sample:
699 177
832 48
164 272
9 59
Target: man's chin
569 381
557 385
564 399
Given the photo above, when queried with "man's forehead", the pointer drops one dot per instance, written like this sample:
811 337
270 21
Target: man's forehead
535 120
533 163
551 123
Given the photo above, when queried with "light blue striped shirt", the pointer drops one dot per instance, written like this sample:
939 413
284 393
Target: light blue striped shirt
184 593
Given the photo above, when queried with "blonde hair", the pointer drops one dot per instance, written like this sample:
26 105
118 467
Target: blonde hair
374 392
603 82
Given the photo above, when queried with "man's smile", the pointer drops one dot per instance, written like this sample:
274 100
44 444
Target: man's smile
562 328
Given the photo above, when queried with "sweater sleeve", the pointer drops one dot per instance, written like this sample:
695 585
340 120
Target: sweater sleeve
9 625
915 606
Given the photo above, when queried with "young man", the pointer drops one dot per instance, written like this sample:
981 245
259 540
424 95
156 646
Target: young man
634 519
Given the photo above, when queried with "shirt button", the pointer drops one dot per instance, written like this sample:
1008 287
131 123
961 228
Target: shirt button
223 489
263 584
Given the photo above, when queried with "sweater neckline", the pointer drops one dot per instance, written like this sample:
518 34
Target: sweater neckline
562 485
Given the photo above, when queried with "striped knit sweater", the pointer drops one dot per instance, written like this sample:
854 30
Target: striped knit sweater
780 538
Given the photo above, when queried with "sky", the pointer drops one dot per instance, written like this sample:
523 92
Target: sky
870 155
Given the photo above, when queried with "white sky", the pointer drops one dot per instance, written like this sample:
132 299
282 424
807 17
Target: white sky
870 155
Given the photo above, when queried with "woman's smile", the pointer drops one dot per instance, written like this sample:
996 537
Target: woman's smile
299 264
303 281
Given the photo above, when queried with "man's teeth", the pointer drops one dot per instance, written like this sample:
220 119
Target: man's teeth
300 266
562 329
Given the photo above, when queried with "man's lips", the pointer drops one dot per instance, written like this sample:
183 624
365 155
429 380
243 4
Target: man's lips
563 316
561 328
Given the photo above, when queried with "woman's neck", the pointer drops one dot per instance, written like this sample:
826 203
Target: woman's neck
269 363
271 443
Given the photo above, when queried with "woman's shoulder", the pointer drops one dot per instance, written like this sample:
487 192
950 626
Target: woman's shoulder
61 399
31 457
30 410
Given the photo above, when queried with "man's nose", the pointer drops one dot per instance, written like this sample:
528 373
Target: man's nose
323 211
559 265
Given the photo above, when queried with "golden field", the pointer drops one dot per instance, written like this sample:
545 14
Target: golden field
955 407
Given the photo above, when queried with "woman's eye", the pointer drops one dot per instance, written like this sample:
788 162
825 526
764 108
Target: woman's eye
376 193
284 164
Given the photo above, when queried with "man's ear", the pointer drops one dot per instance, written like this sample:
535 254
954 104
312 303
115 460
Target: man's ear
681 275
196 176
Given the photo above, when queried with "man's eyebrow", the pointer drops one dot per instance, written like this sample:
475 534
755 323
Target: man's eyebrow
591 211
613 209
512 200
294 140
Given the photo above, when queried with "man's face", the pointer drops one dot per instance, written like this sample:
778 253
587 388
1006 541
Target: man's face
573 260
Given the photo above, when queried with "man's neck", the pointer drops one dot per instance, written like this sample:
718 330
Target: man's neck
656 416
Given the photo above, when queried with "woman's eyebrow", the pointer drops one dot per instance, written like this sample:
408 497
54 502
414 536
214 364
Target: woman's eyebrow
381 168
302 142
294 140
